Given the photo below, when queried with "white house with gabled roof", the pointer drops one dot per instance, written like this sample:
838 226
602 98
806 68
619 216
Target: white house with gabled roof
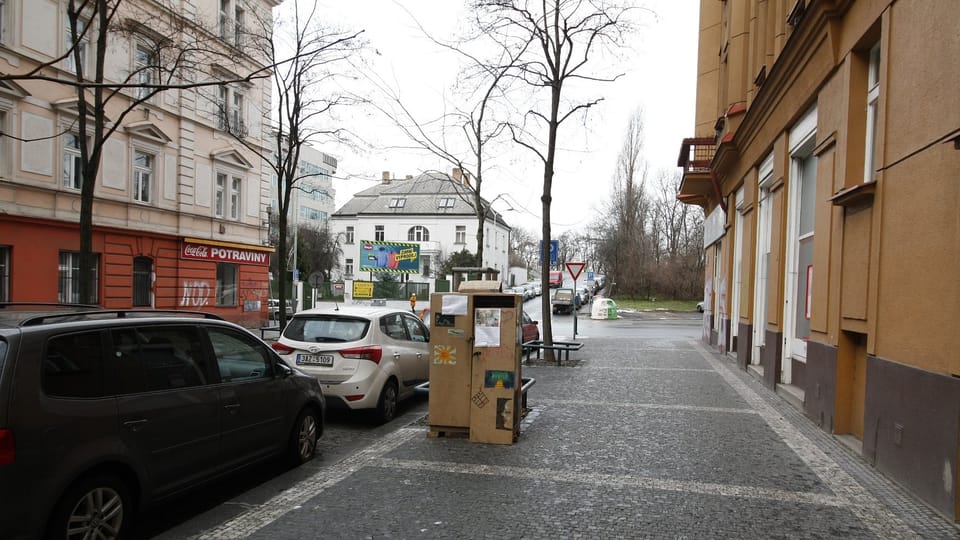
434 210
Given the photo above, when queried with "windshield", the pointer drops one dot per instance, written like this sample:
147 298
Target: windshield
326 329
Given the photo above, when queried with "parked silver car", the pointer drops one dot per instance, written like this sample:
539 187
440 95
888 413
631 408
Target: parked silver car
364 357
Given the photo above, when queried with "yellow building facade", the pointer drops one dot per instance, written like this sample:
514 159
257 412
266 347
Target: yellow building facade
826 155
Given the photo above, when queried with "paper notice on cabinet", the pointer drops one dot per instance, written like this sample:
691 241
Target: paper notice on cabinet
454 304
486 327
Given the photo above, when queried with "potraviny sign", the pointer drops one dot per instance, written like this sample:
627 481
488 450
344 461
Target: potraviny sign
223 252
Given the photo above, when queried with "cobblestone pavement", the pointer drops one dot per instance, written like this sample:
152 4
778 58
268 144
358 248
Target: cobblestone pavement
640 438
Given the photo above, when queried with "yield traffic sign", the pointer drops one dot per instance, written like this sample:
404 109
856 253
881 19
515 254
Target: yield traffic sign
575 268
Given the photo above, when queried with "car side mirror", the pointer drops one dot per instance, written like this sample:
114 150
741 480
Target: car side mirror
283 369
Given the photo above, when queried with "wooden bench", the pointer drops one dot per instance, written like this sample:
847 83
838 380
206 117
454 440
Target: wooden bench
562 346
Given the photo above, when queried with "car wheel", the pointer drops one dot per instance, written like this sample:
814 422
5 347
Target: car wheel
303 438
95 507
387 404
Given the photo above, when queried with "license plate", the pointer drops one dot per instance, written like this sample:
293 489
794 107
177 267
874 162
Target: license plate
315 359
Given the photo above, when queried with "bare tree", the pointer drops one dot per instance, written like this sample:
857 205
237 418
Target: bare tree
464 134
566 35
172 54
629 211
308 56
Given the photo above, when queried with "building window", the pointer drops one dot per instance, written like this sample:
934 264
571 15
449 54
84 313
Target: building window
238 26
78 47
226 284
349 235
873 98
378 234
4 273
142 281
446 202
348 267
144 66
220 195
72 167
142 175
230 111
235 198
398 203
224 19
425 261
68 287
418 234
3 20
461 237
226 200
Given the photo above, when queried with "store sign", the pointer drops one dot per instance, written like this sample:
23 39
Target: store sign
223 254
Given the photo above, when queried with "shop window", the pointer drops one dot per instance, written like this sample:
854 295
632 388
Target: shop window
68 286
226 284
142 281
4 273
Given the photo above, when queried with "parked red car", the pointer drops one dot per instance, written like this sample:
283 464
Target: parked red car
556 279
531 328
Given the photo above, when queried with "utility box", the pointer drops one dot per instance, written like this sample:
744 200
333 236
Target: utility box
475 378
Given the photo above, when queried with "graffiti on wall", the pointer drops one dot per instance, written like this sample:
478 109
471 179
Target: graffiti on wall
196 294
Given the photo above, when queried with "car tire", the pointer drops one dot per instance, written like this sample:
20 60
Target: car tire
99 504
388 402
303 438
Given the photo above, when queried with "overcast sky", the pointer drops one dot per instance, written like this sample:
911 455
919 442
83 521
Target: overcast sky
660 78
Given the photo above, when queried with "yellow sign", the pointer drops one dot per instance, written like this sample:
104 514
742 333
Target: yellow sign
363 289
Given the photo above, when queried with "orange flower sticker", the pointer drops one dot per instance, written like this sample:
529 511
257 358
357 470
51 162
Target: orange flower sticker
444 354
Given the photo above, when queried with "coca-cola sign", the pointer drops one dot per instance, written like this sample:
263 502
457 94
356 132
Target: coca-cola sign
224 254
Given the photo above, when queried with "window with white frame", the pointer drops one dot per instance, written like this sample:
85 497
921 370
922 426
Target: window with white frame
235 185
238 16
227 192
68 282
4 273
398 202
378 233
446 202
230 110
3 21
72 166
348 237
224 20
418 233
348 267
80 46
143 174
873 99
145 68
461 236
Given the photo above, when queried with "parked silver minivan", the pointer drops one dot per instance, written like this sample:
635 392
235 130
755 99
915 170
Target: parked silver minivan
105 412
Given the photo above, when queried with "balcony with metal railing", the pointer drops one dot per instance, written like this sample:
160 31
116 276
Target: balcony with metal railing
696 156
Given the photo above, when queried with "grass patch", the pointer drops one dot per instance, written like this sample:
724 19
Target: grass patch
652 305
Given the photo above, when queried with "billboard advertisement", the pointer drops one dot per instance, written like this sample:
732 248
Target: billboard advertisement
392 257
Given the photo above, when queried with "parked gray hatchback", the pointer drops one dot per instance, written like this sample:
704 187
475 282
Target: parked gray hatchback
104 412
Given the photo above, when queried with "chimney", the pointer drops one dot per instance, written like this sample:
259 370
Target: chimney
456 174
386 177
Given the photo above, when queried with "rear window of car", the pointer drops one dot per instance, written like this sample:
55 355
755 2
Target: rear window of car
326 329
73 366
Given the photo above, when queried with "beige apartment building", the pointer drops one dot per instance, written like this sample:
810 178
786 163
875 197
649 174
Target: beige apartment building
180 214
826 155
